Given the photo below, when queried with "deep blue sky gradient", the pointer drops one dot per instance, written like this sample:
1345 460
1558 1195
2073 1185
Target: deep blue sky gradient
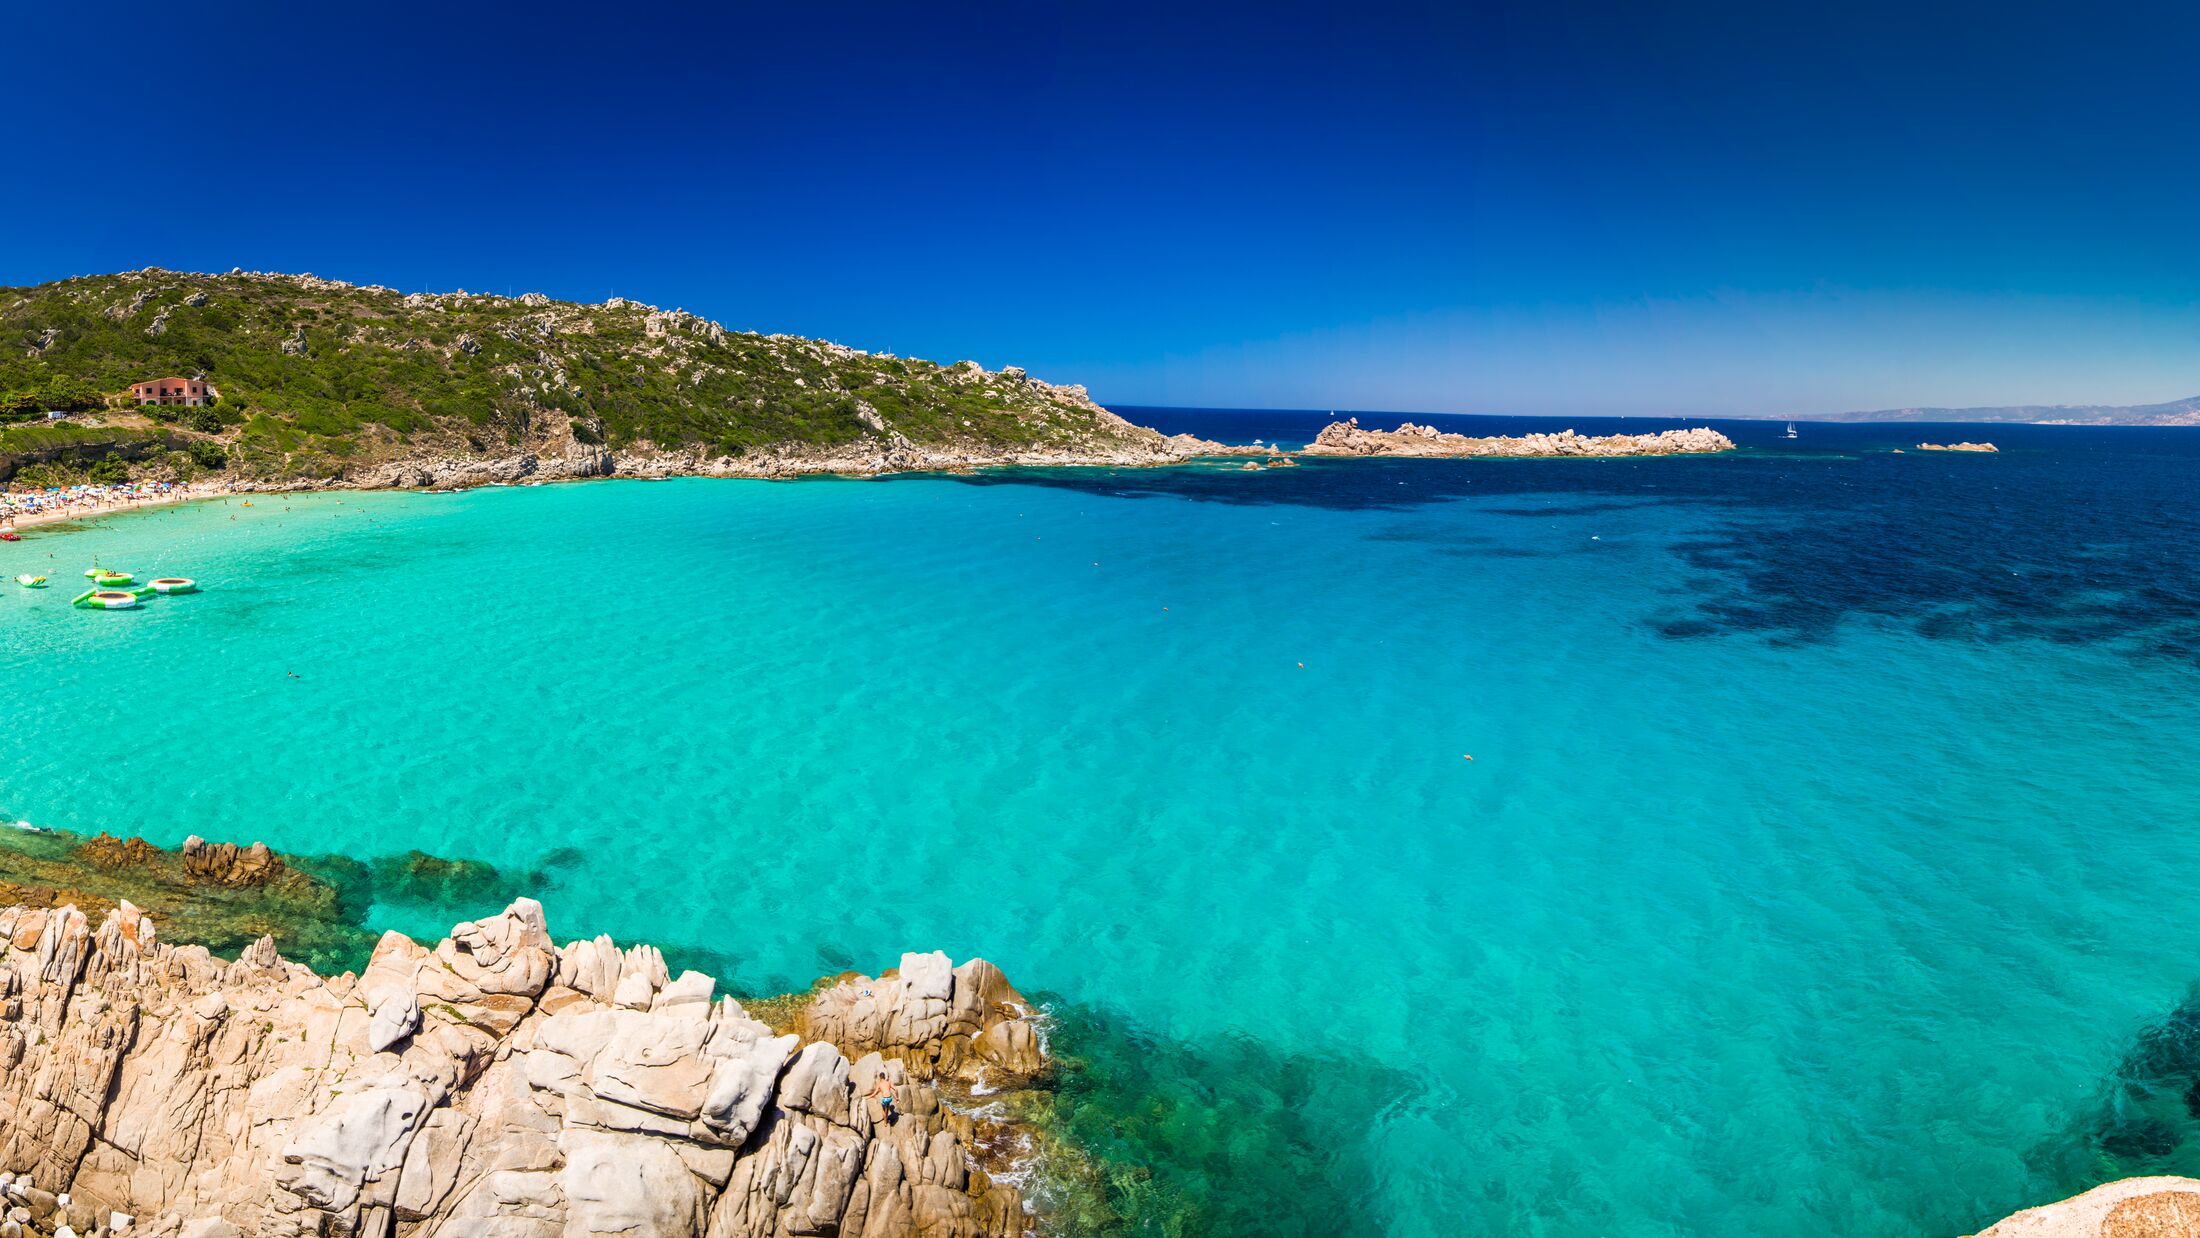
1525 208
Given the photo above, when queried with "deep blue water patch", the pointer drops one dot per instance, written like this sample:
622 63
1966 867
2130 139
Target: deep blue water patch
2069 534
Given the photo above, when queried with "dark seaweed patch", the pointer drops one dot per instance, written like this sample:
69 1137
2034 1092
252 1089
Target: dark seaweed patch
1228 1136
2145 1117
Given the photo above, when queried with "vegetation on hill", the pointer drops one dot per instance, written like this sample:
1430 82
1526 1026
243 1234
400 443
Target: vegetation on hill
318 378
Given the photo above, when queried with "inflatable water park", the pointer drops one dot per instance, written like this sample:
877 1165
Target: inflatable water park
113 589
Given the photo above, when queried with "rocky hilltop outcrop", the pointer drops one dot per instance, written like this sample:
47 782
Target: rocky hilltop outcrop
1349 438
2132 1208
493 1085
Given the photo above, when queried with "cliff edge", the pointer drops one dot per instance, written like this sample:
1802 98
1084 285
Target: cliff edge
493 1085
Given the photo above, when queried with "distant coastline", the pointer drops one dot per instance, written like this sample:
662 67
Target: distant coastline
2185 412
2176 413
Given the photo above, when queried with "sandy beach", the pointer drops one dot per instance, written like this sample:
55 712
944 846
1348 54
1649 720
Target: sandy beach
88 504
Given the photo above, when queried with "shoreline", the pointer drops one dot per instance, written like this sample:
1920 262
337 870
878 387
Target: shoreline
48 521
451 474
184 493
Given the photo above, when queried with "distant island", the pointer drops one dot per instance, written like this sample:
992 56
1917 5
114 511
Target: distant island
2185 412
1349 438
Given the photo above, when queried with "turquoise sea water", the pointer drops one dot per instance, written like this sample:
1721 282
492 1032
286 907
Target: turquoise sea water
1823 855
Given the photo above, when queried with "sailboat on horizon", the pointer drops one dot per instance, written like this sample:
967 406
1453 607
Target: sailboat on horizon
1791 430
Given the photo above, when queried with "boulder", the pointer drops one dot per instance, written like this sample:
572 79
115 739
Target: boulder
944 1021
356 1140
395 1017
228 864
2132 1208
509 953
625 1185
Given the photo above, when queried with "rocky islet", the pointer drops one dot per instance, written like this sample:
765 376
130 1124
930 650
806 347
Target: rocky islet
1349 438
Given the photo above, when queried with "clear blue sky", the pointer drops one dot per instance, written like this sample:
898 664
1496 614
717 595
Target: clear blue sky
1529 208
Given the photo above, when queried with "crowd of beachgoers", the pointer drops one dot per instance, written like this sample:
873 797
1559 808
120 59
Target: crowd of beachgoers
36 506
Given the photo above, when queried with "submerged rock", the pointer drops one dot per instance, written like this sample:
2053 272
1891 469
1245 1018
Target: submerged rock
490 1084
224 896
224 863
218 894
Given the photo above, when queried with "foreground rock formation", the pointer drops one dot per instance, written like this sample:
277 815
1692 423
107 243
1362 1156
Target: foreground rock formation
1957 447
493 1085
1349 438
2132 1208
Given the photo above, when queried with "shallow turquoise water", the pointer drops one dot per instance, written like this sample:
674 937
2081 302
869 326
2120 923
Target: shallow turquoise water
1727 928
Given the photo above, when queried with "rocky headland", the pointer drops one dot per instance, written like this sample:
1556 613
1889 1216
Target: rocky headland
493 1083
325 383
1349 438
1957 447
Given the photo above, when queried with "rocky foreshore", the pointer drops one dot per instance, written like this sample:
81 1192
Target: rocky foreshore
494 1085
572 461
1349 438
2131 1208
867 459
1957 447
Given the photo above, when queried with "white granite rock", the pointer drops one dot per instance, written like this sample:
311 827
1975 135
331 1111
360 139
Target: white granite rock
360 1137
2160 1207
689 996
396 1016
490 1085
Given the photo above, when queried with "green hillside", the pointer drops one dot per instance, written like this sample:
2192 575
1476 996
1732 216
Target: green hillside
319 378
